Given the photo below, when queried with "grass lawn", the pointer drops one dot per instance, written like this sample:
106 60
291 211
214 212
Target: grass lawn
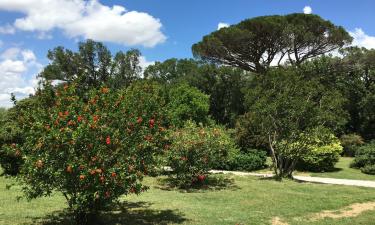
343 171
238 200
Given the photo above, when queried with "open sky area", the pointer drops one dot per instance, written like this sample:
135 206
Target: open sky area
161 29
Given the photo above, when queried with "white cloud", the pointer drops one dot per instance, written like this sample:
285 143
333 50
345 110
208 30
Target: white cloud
361 39
16 65
88 19
7 29
222 25
307 10
144 63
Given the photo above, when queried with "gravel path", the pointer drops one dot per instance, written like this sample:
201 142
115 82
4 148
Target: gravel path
359 183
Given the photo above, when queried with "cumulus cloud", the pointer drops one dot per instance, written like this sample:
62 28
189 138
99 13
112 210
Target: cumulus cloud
7 29
307 10
222 25
88 19
15 67
361 39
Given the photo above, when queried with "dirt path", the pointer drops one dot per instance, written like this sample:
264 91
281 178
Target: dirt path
321 180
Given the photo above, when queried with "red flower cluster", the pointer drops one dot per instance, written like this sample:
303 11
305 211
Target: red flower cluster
152 123
108 140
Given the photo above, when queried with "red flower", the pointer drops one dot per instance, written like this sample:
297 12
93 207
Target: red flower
152 123
201 178
92 172
113 174
79 119
69 169
96 118
66 113
82 177
108 140
139 120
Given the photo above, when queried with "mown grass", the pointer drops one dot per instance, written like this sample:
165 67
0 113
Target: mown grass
343 171
227 200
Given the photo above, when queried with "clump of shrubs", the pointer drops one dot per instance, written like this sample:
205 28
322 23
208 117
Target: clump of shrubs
322 151
250 160
195 150
365 158
351 143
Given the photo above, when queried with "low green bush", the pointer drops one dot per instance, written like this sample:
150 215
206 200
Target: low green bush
195 150
322 152
365 158
351 143
248 161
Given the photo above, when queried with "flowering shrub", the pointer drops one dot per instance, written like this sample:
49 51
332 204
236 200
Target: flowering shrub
195 150
91 149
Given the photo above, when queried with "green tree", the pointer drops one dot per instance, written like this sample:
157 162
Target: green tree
286 109
187 103
254 44
92 66
223 84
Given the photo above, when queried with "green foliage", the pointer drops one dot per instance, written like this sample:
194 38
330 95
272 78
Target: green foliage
323 152
91 150
195 150
365 158
187 103
248 161
222 83
253 44
351 143
92 66
285 108
12 137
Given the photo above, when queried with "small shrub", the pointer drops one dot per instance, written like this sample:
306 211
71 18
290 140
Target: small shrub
248 161
322 152
195 150
365 158
351 143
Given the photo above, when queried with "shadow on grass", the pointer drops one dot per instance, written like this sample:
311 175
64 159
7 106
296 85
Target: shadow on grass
137 213
213 183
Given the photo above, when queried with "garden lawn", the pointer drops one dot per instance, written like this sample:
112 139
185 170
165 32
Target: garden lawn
343 171
229 200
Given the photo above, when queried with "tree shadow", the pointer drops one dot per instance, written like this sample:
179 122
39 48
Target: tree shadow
212 183
137 213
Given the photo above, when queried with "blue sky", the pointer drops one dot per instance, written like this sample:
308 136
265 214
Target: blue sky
161 29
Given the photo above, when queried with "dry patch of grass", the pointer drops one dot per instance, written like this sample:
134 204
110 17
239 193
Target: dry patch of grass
278 221
353 210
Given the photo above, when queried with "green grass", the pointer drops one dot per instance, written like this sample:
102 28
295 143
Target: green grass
228 200
343 171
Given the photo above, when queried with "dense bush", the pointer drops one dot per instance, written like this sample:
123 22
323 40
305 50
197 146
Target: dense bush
187 103
322 152
248 161
195 150
365 158
351 143
11 136
92 150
